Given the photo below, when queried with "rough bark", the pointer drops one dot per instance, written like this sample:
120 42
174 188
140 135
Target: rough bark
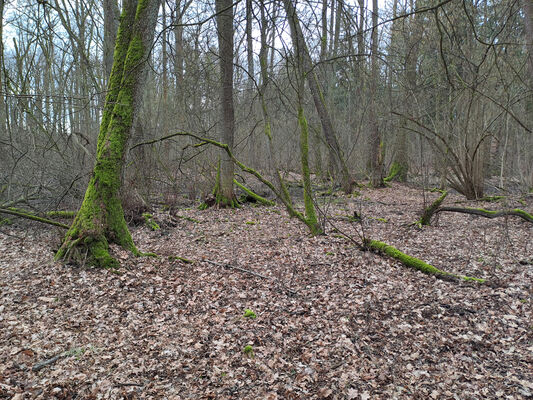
302 54
225 194
100 219
111 20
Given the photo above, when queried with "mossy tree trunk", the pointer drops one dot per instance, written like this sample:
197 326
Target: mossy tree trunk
317 92
100 219
224 193
301 55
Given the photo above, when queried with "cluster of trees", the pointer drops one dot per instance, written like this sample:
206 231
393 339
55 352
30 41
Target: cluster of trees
439 89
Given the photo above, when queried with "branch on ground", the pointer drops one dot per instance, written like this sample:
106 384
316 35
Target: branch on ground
25 214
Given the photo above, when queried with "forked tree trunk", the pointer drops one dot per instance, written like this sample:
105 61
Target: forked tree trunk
100 219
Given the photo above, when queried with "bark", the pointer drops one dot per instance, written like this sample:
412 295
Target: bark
225 194
178 48
111 20
324 35
100 219
528 11
250 45
303 57
2 89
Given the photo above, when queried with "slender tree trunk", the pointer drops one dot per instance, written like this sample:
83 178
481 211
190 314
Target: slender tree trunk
178 47
3 114
111 20
302 54
224 191
376 145
250 45
528 10
100 219
324 32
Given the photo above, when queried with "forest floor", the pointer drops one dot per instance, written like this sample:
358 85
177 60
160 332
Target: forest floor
332 322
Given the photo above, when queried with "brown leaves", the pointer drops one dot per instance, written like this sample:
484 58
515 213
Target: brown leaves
359 327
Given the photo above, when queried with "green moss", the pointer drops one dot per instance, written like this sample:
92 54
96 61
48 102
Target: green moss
253 195
425 219
62 214
413 262
396 171
310 215
182 259
149 220
492 199
249 351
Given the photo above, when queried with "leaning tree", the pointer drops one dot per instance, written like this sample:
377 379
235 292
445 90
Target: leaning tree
100 219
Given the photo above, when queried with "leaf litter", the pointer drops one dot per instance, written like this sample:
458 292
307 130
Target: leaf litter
332 322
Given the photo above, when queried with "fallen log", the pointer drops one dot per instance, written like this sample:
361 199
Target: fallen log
412 262
489 213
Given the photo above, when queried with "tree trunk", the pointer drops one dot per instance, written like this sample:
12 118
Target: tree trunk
2 88
528 10
250 45
100 219
303 57
224 192
111 20
375 142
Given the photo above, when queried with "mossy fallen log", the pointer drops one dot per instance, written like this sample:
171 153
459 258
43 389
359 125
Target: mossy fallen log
489 213
412 262
25 214
255 196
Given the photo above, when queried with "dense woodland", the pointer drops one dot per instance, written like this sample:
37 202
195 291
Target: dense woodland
290 199
442 89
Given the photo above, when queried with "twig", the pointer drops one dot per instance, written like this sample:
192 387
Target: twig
40 365
247 271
